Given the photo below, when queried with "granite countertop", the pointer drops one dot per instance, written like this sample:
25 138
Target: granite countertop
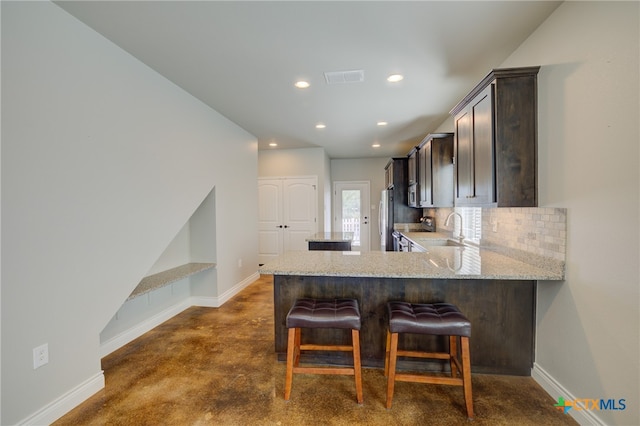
331 237
442 262
155 281
416 237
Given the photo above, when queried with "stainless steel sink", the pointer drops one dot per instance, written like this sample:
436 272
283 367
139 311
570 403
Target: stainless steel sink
439 243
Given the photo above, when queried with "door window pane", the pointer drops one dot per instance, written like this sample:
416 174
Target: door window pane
351 213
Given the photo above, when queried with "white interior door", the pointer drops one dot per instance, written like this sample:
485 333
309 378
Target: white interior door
270 219
286 215
352 212
300 199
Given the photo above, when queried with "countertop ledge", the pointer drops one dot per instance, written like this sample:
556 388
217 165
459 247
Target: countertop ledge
161 279
438 262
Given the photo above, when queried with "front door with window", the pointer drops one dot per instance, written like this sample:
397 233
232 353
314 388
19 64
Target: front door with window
352 212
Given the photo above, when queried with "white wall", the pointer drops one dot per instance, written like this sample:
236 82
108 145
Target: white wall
194 243
364 169
588 136
301 162
175 254
103 162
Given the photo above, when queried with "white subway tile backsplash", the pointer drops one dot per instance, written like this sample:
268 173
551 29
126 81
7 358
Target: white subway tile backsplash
538 230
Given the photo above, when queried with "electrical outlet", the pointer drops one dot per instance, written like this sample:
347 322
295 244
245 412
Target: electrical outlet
239 263
40 355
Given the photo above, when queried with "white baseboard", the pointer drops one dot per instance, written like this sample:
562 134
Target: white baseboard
555 389
139 329
61 406
224 298
216 302
67 402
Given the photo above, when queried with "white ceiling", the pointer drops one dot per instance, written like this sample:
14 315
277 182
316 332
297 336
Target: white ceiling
242 59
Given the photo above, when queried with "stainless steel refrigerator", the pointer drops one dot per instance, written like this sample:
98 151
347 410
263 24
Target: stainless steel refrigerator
385 220
394 205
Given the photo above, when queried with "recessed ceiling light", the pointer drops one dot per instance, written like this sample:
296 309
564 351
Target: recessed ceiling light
394 78
273 144
302 84
375 145
382 123
320 126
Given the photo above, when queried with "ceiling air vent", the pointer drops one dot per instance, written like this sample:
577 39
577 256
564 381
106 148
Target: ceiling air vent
340 77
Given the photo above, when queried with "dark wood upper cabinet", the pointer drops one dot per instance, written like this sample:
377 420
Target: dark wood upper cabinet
413 166
435 170
495 144
388 175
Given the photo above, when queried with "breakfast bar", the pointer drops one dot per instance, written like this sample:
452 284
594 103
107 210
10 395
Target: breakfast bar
496 292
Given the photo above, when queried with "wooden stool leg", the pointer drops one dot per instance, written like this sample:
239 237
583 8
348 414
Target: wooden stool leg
453 352
466 375
393 357
296 346
357 368
386 354
291 354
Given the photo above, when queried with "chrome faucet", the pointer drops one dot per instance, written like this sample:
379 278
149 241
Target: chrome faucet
446 223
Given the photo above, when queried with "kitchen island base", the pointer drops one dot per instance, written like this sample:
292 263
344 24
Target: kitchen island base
501 312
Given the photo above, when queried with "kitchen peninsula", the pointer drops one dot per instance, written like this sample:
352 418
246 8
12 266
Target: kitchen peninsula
495 291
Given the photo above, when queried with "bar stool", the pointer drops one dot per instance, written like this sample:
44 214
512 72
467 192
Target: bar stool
312 313
441 319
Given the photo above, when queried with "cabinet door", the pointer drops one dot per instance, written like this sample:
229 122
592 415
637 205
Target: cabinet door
388 175
426 175
483 147
442 172
474 150
422 196
413 158
463 158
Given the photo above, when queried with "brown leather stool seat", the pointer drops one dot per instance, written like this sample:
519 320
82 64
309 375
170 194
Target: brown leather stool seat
443 319
314 313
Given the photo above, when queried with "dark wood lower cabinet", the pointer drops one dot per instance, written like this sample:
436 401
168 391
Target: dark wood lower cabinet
502 315
330 245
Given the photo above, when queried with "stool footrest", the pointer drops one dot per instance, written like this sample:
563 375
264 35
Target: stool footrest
311 347
433 355
324 370
436 380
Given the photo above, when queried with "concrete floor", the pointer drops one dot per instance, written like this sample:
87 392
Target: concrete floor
217 366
